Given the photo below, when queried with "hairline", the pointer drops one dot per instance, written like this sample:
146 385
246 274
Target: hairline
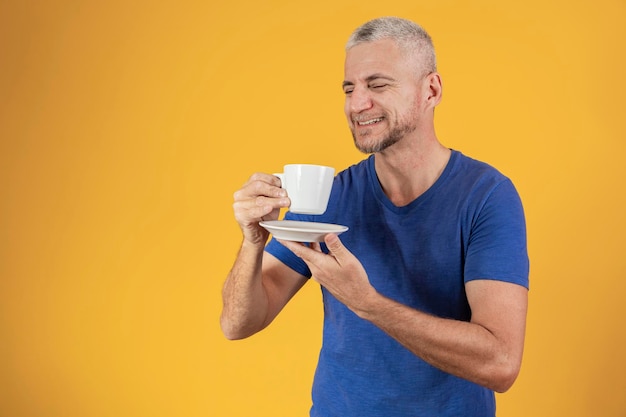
410 37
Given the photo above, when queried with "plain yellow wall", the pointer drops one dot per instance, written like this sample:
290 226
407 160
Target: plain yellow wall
125 127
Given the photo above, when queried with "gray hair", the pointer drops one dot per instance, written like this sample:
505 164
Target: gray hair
408 35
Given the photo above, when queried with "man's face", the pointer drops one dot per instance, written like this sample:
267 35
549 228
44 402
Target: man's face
382 89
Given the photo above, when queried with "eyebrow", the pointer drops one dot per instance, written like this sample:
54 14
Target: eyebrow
369 79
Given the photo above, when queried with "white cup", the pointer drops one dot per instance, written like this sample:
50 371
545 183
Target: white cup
308 187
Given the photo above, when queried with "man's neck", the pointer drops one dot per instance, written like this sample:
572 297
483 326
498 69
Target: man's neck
405 172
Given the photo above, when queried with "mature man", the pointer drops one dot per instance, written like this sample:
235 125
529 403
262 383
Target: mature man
425 297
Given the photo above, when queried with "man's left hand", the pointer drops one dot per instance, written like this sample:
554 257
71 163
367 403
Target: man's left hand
339 271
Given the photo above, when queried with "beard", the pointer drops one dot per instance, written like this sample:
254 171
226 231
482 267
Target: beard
401 129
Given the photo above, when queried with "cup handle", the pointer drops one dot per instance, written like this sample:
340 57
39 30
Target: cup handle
281 177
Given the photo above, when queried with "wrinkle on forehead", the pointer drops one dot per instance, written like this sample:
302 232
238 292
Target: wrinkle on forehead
384 57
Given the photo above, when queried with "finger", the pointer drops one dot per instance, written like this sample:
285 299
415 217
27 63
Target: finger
254 208
279 202
292 246
300 250
258 189
259 205
315 246
248 213
260 185
263 177
336 247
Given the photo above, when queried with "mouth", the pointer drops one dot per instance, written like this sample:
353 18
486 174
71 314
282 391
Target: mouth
368 122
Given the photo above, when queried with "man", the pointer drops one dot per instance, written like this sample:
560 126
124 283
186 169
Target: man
425 297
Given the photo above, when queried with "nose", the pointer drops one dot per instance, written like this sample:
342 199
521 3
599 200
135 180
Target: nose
359 100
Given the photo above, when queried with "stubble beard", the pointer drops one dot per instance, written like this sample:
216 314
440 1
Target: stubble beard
393 137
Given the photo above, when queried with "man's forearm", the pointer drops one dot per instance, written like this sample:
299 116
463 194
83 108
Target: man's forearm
488 357
459 348
245 301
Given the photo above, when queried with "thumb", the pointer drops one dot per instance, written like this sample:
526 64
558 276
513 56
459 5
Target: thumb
335 247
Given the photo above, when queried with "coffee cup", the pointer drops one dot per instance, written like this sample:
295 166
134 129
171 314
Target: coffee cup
308 187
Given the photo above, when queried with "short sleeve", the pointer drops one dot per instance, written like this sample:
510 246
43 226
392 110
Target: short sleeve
497 246
286 256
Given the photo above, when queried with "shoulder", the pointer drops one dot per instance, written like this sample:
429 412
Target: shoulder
352 179
357 172
476 179
474 170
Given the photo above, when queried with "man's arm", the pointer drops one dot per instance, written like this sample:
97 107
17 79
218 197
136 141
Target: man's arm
487 350
256 290
258 286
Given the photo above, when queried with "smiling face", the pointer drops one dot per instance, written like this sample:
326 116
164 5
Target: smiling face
384 89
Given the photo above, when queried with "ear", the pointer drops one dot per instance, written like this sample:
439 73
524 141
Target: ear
434 89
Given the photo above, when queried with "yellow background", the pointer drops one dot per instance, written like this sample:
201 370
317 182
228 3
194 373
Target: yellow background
125 127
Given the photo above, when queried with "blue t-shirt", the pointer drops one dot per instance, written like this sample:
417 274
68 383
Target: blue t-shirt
468 225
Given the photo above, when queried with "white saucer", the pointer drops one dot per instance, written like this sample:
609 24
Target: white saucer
301 231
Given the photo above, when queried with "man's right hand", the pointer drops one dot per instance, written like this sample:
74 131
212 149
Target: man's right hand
260 198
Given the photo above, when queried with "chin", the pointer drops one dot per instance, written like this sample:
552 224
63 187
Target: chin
373 145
